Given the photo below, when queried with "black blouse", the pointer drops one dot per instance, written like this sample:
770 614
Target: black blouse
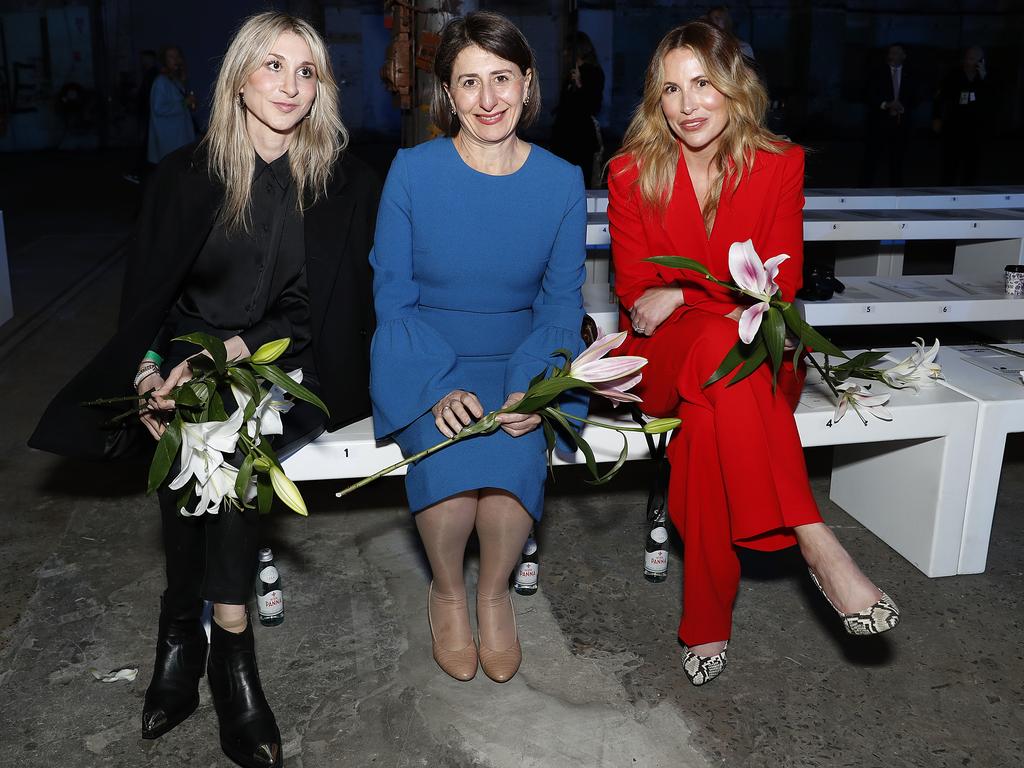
251 282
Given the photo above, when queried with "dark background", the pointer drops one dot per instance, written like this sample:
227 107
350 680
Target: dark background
70 71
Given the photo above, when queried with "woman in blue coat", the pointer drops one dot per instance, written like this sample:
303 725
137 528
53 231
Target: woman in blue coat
478 267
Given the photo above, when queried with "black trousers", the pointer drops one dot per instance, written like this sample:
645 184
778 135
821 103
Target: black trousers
214 556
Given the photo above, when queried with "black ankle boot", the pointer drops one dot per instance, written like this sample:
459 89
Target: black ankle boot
173 693
248 730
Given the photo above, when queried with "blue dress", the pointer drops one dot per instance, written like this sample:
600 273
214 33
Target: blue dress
477 280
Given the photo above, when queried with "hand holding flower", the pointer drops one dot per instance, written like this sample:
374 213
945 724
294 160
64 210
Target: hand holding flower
517 424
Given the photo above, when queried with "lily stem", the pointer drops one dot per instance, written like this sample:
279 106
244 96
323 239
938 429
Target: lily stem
594 423
824 376
398 465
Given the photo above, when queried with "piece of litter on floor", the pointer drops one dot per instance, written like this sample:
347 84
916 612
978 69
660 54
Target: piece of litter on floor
127 673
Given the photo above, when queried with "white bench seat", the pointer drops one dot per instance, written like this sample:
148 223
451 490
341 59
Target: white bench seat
905 480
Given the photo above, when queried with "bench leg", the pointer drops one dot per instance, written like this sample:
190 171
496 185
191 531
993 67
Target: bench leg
981 495
912 494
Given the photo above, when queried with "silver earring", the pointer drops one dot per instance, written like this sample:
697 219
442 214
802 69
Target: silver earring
526 101
241 100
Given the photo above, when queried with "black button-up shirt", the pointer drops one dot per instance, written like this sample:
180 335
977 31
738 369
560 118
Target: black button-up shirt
251 282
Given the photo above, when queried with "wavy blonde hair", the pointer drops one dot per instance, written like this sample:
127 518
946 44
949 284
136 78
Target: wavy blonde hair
654 149
318 140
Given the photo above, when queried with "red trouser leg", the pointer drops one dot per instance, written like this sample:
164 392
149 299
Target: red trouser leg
738 472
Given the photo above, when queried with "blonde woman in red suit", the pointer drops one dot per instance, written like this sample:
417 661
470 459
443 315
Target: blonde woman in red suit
698 172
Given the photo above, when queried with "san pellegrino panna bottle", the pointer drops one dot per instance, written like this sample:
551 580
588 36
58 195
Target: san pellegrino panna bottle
269 593
526 576
656 551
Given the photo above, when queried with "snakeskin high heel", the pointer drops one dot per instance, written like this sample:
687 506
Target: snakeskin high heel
703 669
873 620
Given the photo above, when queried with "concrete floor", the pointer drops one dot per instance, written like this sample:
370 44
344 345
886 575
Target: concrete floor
349 672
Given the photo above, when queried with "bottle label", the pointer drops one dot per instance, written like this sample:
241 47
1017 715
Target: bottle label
656 561
271 604
269 574
659 534
527 575
530 548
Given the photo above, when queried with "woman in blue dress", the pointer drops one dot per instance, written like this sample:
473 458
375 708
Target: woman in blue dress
478 267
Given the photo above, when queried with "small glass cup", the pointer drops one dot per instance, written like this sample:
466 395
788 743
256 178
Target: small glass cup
1013 279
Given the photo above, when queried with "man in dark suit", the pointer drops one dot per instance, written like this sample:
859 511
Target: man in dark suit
891 95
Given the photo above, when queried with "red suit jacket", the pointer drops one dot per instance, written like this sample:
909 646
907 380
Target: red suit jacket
767 208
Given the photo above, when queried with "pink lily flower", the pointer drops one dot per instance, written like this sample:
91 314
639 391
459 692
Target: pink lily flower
757 280
593 367
616 390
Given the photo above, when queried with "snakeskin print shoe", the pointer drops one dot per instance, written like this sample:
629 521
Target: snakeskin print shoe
703 669
873 620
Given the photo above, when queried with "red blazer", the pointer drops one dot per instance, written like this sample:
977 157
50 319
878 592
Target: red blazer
767 208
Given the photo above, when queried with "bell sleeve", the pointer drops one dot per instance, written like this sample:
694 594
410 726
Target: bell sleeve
411 365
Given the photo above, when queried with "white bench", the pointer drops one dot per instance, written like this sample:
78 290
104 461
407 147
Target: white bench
1000 398
905 480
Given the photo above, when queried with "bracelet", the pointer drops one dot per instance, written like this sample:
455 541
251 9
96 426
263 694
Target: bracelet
144 372
153 357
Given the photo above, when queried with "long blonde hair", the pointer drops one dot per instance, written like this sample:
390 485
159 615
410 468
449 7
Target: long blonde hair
654 149
317 142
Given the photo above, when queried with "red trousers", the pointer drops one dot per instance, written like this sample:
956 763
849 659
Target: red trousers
738 472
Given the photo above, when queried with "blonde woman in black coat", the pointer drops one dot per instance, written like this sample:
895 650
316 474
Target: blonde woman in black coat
260 232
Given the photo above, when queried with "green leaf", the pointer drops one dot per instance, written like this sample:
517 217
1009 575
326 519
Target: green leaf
264 494
215 410
773 329
583 445
680 262
757 357
185 396
244 475
245 379
734 358
213 345
550 439
275 375
588 453
863 360
542 393
536 380
164 455
809 335
799 351
269 352
566 356
623 455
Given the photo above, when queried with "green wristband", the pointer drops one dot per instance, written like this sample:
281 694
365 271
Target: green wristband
151 355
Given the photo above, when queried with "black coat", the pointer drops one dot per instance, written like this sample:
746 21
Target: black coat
179 210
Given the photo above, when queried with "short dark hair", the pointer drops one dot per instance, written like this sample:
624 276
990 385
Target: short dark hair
495 34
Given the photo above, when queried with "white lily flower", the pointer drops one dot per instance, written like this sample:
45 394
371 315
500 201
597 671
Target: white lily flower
268 413
860 399
756 279
203 447
917 368
220 485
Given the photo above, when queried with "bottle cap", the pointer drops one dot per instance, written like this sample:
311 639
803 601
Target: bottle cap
266 555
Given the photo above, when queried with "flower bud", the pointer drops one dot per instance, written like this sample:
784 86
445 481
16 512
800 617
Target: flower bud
269 352
657 426
286 491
